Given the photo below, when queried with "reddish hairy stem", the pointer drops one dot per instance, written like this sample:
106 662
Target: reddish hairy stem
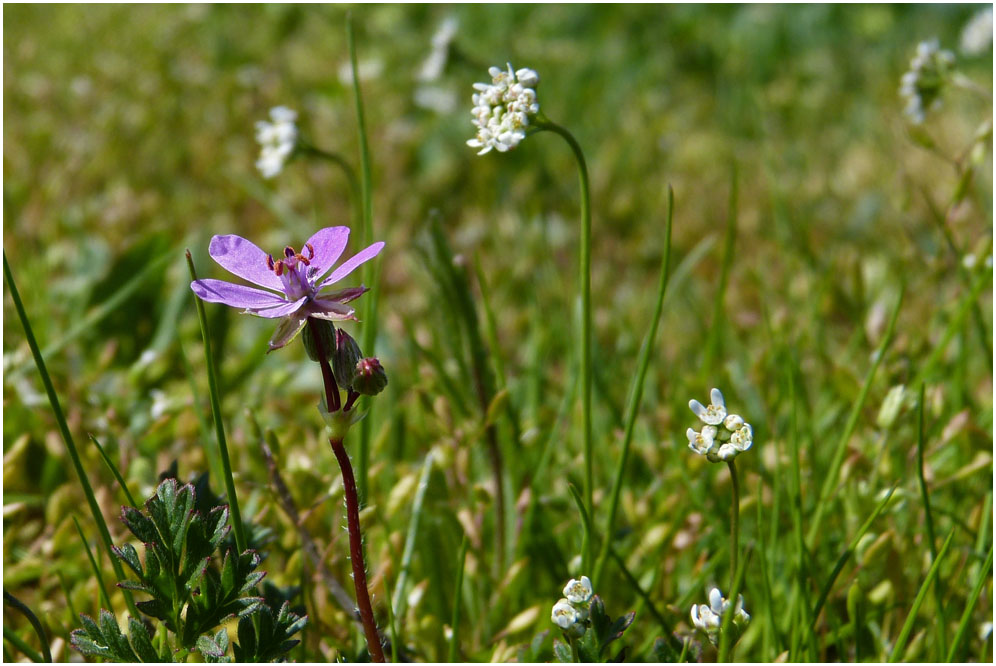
333 403
356 552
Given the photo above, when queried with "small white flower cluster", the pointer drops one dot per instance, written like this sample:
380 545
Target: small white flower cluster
502 109
571 612
709 618
977 35
719 443
922 84
276 139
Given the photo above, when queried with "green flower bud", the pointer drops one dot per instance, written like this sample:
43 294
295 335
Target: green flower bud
326 331
370 378
347 355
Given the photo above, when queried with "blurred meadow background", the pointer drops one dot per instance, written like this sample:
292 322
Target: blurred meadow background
806 205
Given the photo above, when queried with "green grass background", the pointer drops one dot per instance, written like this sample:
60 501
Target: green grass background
128 135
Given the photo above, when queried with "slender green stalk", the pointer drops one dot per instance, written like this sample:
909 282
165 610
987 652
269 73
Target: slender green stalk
718 325
13 601
636 393
20 644
966 616
669 638
900 646
67 436
845 556
219 426
400 599
830 479
347 170
585 527
574 650
585 339
114 470
104 599
734 522
457 602
371 272
929 520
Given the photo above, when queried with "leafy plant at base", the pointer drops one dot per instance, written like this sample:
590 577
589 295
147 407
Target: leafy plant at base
191 595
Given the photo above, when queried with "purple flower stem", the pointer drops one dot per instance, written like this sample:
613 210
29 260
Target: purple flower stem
352 511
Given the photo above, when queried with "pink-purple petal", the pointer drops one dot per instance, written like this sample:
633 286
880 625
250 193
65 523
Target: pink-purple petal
330 310
235 295
287 331
344 295
282 310
350 265
328 244
242 258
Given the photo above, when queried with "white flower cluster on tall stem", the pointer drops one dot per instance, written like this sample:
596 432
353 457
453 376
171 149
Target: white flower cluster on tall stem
276 139
432 67
571 612
723 436
922 84
977 35
502 109
709 617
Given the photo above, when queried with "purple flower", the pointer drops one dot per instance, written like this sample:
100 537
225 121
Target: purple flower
297 278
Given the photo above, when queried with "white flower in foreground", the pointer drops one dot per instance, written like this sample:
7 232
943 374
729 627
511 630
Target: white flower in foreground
714 413
977 36
578 591
709 618
277 140
701 442
564 615
725 436
922 84
502 109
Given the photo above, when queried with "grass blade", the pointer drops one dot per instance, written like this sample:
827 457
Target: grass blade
457 602
14 602
104 600
114 470
673 646
717 326
636 394
18 642
233 500
929 520
904 634
966 617
845 556
67 436
585 526
400 599
830 480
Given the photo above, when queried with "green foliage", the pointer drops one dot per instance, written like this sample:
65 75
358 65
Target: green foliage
191 593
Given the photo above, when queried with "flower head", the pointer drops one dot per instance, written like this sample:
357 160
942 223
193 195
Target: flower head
293 284
923 83
503 107
725 436
276 140
578 591
709 618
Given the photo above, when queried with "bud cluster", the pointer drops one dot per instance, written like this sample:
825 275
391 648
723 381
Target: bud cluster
923 83
571 612
502 109
724 436
352 371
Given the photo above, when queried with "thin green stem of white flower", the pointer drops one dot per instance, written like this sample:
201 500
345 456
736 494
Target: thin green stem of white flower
585 278
734 523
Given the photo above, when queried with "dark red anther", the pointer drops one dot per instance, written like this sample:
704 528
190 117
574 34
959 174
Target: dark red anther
304 260
311 250
278 268
288 252
269 261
